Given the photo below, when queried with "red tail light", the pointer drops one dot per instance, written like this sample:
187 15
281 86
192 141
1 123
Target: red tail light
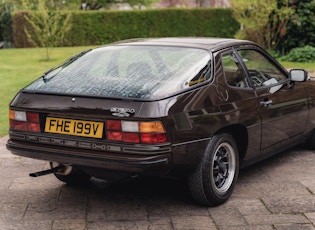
24 121
114 135
113 125
153 137
131 137
136 132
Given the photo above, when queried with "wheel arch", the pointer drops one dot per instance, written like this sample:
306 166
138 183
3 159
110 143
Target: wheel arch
240 134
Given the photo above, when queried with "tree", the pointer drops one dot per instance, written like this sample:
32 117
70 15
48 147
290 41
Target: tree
46 28
300 28
5 25
262 21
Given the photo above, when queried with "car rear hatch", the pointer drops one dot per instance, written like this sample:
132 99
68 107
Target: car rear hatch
96 127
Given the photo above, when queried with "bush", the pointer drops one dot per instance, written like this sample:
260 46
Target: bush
5 25
299 32
101 27
304 54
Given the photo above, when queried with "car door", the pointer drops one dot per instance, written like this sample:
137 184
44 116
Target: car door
282 106
240 105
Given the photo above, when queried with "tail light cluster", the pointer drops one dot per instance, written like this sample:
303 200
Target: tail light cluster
141 132
24 121
136 132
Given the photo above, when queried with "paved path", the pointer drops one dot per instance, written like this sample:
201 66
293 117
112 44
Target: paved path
278 193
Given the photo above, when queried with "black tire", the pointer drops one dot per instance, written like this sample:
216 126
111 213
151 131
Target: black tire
310 143
213 180
71 175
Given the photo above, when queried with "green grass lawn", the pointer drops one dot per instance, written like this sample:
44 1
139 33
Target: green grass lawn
19 67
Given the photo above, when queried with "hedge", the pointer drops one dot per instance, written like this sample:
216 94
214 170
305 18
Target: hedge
102 27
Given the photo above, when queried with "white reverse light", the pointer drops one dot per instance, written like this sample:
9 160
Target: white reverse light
129 126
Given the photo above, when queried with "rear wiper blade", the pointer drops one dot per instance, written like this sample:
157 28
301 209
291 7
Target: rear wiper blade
60 67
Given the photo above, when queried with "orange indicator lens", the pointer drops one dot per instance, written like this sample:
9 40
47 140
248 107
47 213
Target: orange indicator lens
151 127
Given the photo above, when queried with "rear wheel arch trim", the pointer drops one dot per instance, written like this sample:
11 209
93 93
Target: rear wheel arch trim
240 135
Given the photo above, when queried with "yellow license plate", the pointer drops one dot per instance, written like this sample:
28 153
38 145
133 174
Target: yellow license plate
74 127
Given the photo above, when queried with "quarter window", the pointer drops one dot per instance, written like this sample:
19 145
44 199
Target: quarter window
233 71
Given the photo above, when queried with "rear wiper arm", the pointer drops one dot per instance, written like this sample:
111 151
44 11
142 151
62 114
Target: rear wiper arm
44 76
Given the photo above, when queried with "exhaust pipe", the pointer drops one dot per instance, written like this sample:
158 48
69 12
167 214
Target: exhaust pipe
48 171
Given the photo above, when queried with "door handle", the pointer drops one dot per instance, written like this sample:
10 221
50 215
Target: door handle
266 103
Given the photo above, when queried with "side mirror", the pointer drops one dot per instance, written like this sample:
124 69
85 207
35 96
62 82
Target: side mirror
298 75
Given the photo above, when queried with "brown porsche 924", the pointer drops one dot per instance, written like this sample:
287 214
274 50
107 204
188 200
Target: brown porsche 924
195 107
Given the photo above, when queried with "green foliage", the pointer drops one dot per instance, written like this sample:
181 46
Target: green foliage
299 31
44 28
262 21
5 24
304 54
76 4
19 5
101 27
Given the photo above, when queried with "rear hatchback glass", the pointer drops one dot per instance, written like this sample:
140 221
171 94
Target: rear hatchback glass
139 72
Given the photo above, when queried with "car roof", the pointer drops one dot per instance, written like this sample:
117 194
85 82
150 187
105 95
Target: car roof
209 43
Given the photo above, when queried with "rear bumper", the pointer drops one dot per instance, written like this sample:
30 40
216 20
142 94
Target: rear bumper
151 160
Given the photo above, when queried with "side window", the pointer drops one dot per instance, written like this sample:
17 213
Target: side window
262 72
233 71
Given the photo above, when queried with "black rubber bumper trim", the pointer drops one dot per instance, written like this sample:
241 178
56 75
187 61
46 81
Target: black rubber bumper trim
72 157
